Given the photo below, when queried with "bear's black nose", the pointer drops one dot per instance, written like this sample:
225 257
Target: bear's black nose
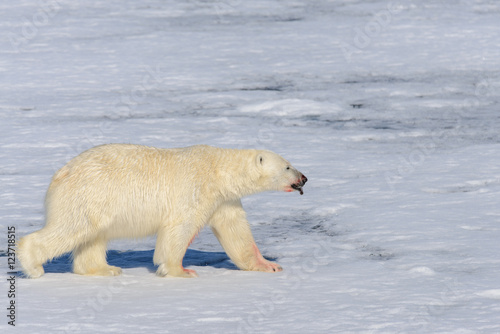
303 179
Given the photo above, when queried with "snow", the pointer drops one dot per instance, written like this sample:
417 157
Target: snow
390 108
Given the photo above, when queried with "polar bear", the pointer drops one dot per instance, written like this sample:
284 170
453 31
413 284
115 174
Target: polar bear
131 191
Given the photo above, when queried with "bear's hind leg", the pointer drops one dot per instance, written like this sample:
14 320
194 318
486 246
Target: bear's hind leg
31 255
90 259
39 247
231 228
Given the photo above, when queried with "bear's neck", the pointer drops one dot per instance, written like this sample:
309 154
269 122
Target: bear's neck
235 173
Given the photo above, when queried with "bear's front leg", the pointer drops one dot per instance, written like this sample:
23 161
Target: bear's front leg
171 245
231 228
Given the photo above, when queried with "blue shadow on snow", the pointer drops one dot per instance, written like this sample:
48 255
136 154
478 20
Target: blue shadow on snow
137 259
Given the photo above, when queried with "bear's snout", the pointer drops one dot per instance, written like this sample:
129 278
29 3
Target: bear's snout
300 183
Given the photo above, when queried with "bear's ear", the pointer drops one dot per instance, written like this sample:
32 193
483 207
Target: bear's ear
259 160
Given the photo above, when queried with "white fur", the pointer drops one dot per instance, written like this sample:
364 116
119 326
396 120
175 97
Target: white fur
131 191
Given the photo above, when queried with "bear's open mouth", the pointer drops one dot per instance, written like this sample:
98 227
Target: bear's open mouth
300 183
298 187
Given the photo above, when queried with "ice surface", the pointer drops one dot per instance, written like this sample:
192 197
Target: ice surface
391 109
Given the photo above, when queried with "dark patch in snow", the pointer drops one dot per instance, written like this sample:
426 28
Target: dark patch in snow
289 19
377 253
309 223
377 79
265 88
471 186
381 256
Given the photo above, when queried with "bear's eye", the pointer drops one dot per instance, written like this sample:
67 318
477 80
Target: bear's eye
261 160
287 167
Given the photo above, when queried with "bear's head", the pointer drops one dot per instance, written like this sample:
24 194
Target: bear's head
277 173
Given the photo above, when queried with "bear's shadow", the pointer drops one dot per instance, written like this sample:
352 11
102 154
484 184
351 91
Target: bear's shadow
137 259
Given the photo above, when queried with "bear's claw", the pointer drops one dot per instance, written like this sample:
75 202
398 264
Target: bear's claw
269 267
164 272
